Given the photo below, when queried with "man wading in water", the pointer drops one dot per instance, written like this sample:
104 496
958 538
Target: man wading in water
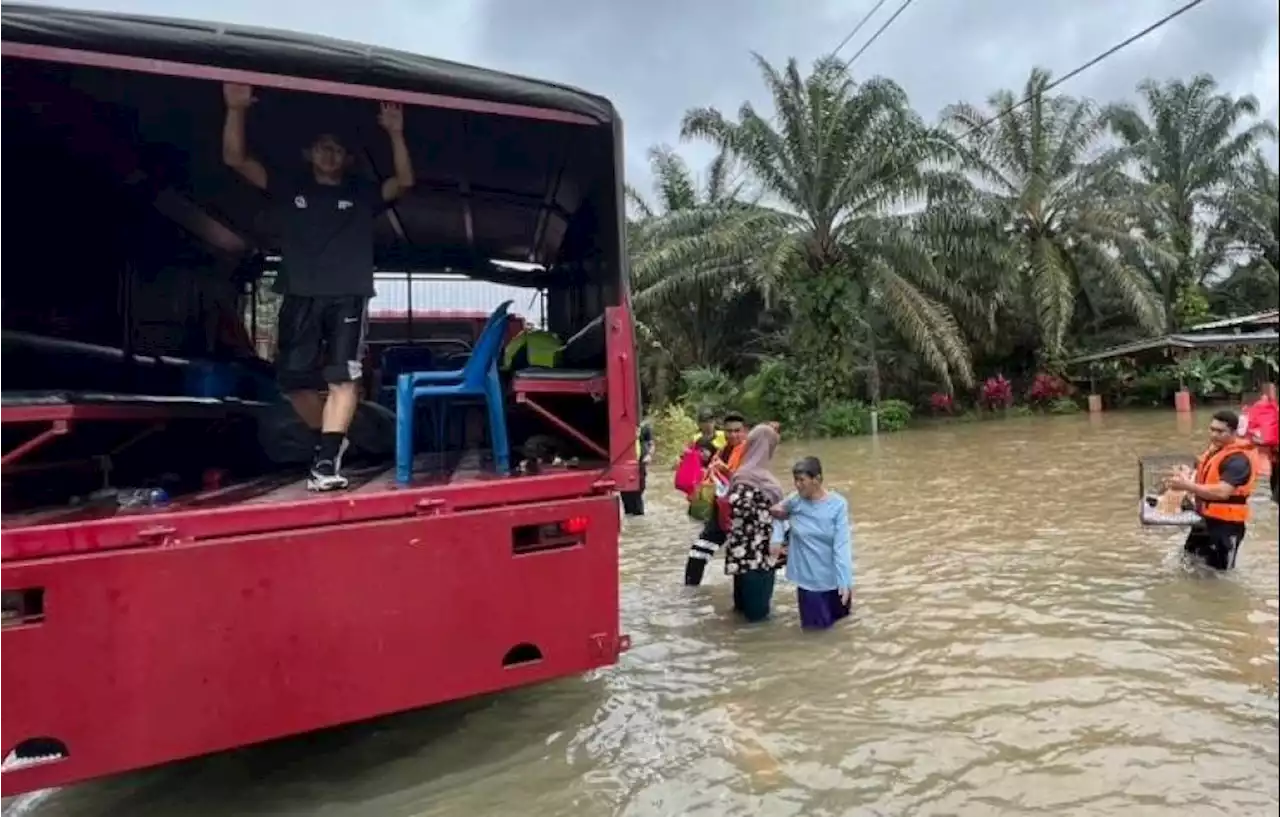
326 276
1225 476
723 462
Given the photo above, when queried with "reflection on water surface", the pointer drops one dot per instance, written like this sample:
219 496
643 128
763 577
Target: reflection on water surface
1019 647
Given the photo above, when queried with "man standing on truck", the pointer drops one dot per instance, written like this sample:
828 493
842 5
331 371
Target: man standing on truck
326 274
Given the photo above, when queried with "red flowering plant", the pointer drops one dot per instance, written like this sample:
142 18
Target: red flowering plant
1046 388
941 403
997 393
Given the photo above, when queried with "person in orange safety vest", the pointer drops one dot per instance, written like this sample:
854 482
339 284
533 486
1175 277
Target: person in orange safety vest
724 463
1225 476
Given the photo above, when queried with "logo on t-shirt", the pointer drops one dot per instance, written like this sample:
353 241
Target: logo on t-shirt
343 204
300 202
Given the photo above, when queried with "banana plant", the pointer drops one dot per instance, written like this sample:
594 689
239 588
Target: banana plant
1209 374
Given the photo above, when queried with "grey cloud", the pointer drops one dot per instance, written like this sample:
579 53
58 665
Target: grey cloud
657 59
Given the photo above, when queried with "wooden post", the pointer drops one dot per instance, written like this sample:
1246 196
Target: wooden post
1095 404
1182 401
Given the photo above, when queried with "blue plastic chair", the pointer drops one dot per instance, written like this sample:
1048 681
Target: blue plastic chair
478 378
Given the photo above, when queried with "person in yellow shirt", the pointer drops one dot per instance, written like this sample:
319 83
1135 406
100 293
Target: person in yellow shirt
709 439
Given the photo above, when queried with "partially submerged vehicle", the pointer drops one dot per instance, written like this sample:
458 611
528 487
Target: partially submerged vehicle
169 590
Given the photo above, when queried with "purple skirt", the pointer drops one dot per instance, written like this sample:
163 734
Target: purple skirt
820 609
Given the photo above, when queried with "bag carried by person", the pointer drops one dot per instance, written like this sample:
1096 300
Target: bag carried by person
689 471
724 513
705 498
1264 423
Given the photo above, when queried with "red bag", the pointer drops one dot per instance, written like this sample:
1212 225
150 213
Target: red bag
1264 422
689 471
724 514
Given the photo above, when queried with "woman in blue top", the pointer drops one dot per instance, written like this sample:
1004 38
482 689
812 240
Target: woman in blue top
820 547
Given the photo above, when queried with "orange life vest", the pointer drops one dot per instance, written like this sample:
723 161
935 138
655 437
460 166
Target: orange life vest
1234 508
735 458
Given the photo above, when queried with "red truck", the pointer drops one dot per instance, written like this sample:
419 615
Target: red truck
243 609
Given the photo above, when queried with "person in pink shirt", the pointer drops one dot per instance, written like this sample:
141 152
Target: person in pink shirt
1260 422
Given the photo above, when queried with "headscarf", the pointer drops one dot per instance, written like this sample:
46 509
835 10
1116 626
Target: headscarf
753 470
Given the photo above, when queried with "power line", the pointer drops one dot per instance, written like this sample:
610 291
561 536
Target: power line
857 28
879 31
1110 52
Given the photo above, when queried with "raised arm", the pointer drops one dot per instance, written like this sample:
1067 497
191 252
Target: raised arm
391 118
234 153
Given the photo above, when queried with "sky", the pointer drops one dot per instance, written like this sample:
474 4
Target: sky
657 58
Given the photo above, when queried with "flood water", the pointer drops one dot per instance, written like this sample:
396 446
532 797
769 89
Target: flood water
1019 647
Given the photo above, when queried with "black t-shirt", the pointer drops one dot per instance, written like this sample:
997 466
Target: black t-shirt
326 234
1236 470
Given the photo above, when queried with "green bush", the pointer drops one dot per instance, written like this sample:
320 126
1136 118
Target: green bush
1154 388
846 418
1063 405
1019 411
673 428
782 391
708 387
894 415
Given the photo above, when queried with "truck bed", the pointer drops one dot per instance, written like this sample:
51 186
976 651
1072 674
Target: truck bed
282 502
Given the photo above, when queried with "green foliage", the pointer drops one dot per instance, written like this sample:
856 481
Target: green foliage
1262 362
673 427
1191 306
1210 375
844 418
894 415
708 387
840 250
782 390
1063 405
1154 388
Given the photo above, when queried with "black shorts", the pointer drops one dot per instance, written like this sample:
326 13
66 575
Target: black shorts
320 340
1216 542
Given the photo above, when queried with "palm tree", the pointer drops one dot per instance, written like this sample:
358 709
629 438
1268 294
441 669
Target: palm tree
1187 150
1042 185
835 165
1249 225
692 310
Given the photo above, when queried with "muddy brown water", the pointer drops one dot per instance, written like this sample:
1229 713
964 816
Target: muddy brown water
1020 647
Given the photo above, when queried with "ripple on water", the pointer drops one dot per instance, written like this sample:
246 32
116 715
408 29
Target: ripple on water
1016 649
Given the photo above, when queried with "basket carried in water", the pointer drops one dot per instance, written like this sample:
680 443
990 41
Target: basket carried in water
1156 506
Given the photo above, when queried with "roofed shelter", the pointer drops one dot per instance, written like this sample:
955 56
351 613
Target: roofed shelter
1250 331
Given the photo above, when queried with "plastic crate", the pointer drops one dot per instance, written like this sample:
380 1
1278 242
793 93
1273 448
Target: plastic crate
1152 471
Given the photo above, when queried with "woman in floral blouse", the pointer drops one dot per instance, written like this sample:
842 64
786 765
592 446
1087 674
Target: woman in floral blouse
753 491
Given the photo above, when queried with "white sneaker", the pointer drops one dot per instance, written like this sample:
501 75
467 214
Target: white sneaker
326 475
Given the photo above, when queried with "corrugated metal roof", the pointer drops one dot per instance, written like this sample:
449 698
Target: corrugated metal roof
452 293
1183 341
1270 317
